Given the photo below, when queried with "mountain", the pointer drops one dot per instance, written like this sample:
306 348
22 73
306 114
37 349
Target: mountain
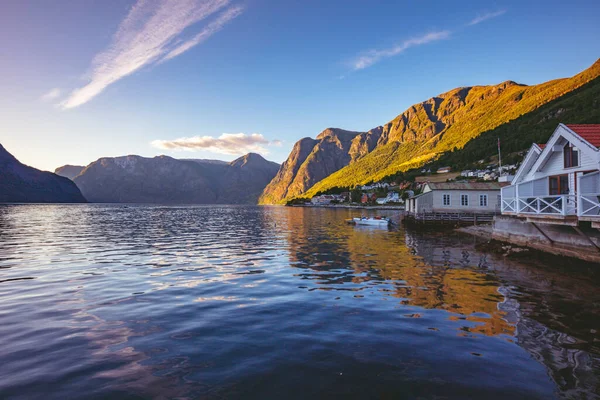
421 134
166 180
581 106
310 161
22 184
69 171
205 161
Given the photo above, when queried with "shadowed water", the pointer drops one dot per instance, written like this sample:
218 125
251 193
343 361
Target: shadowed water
118 301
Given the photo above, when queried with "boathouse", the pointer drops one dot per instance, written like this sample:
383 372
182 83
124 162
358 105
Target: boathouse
455 201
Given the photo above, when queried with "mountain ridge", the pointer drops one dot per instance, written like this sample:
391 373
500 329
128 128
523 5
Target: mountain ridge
167 180
20 183
424 131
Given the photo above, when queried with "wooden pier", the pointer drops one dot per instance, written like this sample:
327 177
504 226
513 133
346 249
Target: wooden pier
450 217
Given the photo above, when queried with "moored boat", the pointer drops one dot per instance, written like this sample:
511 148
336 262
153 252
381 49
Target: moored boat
378 221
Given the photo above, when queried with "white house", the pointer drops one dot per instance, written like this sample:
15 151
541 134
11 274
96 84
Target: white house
559 182
457 197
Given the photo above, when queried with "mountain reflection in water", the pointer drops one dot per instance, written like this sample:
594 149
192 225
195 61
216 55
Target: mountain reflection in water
264 302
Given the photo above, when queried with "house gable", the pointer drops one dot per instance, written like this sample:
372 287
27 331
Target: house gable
532 155
550 161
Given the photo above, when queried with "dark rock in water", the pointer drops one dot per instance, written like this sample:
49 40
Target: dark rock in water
22 184
166 180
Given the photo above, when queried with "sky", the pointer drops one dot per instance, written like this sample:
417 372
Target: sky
216 79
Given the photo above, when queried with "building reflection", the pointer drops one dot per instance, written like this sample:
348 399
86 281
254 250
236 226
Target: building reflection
361 256
555 339
441 271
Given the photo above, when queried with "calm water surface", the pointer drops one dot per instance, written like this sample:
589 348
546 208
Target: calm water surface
120 301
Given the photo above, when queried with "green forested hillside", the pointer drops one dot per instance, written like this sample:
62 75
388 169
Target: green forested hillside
517 114
581 106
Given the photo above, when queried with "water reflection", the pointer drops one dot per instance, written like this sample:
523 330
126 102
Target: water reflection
256 302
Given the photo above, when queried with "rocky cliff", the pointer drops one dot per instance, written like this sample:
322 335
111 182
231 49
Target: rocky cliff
310 161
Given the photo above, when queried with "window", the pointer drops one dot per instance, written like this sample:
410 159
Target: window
558 184
571 156
464 200
446 200
483 200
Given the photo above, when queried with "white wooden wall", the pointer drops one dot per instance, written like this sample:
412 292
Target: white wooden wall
455 203
424 203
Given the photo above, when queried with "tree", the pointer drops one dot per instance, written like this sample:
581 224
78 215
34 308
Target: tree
355 195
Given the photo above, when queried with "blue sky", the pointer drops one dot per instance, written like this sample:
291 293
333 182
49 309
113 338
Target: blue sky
86 79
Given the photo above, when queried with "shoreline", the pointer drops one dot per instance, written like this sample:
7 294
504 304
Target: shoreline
564 244
349 206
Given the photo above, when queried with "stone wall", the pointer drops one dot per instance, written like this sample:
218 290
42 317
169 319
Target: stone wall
555 239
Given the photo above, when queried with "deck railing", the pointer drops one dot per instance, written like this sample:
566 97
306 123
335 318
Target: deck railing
541 205
532 198
588 205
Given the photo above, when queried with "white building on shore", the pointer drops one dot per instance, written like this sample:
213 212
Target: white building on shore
456 197
559 182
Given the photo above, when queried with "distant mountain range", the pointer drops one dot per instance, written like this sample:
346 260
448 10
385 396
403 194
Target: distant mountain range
438 127
166 180
22 184
69 171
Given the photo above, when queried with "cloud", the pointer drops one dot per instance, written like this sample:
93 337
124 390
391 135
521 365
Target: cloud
51 95
373 56
276 143
211 29
484 17
227 143
150 33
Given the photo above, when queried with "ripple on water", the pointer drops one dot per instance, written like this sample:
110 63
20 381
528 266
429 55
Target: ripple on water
266 302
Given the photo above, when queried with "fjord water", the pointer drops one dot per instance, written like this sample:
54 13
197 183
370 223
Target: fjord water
115 301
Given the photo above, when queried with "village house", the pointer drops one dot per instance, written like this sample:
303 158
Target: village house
456 197
443 170
559 182
327 199
490 176
378 185
506 178
368 197
392 197
553 203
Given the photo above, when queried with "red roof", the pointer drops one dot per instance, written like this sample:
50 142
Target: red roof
589 132
542 146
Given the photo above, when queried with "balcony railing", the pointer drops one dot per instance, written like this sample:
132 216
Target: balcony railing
588 205
532 198
559 205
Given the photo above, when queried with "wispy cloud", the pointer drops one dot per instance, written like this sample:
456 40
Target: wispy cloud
148 34
227 143
51 95
484 17
207 32
276 143
371 57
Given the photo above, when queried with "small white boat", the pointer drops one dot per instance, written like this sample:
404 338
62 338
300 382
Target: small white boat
377 221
